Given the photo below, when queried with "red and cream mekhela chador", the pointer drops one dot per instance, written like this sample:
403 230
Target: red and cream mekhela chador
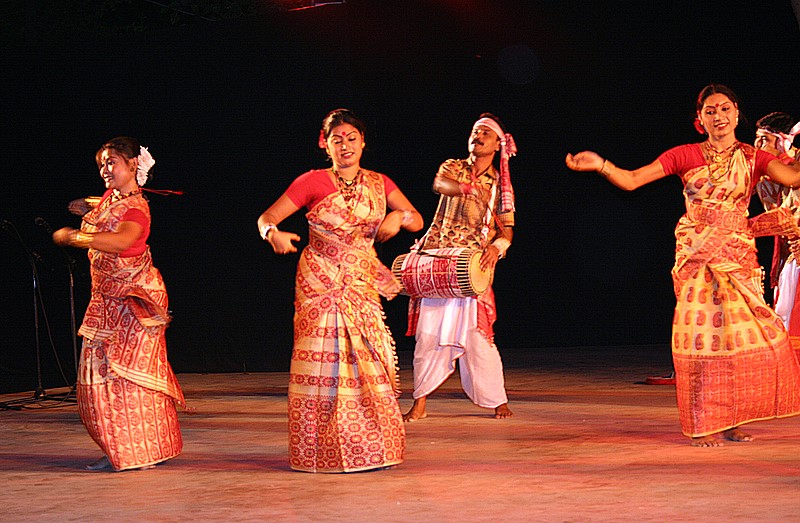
733 360
343 385
126 388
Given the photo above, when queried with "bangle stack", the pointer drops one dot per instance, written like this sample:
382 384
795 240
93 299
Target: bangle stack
82 240
265 230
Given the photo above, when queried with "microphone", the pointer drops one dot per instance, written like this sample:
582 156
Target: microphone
41 222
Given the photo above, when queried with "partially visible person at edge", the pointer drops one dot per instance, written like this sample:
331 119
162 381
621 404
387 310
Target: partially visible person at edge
344 383
476 211
126 389
775 133
732 357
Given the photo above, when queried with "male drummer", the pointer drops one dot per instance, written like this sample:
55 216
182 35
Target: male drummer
476 211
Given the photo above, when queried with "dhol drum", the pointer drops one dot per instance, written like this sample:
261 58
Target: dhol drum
442 273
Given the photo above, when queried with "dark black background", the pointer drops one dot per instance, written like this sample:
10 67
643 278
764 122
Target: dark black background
231 109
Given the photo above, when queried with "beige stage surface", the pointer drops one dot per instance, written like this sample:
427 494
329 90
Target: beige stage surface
588 442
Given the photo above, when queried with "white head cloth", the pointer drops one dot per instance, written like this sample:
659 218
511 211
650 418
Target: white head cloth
507 149
785 140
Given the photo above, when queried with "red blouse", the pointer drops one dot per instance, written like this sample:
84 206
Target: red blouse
308 189
137 216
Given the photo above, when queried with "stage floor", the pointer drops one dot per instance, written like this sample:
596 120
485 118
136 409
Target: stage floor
588 442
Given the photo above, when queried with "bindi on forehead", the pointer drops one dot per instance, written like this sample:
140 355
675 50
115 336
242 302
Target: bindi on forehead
343 134
719 105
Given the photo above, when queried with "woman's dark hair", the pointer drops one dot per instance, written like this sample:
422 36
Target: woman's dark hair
496 119
715 89
338 117
776 122
123 145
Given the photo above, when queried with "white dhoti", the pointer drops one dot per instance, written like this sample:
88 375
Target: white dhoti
786 290
448 331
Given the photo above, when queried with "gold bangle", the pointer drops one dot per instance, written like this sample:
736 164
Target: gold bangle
83 240
92 201
605 170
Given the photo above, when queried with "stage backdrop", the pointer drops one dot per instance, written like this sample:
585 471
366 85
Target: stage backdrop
230 106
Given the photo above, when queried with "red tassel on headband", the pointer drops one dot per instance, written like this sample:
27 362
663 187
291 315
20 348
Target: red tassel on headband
507 149
162 192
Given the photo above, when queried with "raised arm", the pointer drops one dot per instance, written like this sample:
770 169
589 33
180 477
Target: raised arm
784 174
622 178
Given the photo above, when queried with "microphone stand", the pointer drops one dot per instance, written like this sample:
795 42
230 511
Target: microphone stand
70 260
39 394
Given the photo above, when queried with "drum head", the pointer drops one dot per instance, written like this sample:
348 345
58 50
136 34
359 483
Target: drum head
480 279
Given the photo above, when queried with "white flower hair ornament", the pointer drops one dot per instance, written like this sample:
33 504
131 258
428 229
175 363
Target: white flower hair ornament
146 162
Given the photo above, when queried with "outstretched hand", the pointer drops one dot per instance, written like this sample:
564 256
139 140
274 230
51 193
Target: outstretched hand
584 161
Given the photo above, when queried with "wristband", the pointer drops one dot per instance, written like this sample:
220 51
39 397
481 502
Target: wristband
265 229
502 245
605 170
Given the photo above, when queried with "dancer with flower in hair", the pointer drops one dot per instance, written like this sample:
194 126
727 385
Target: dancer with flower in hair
731 353
343 380
126 388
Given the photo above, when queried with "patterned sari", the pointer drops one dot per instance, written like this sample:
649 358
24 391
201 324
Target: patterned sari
126 388
733 361
343 411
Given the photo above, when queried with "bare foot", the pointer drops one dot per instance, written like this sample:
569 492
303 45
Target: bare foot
100 464
735 434
502 411
417 411
706 441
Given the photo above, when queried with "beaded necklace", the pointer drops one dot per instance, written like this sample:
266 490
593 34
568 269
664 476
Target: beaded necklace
117 196
347 187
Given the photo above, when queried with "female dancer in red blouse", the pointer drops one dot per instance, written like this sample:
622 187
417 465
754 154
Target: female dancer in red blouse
733 361
126 388
343 411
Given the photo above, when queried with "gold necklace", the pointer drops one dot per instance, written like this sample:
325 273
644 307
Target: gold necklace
717 158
